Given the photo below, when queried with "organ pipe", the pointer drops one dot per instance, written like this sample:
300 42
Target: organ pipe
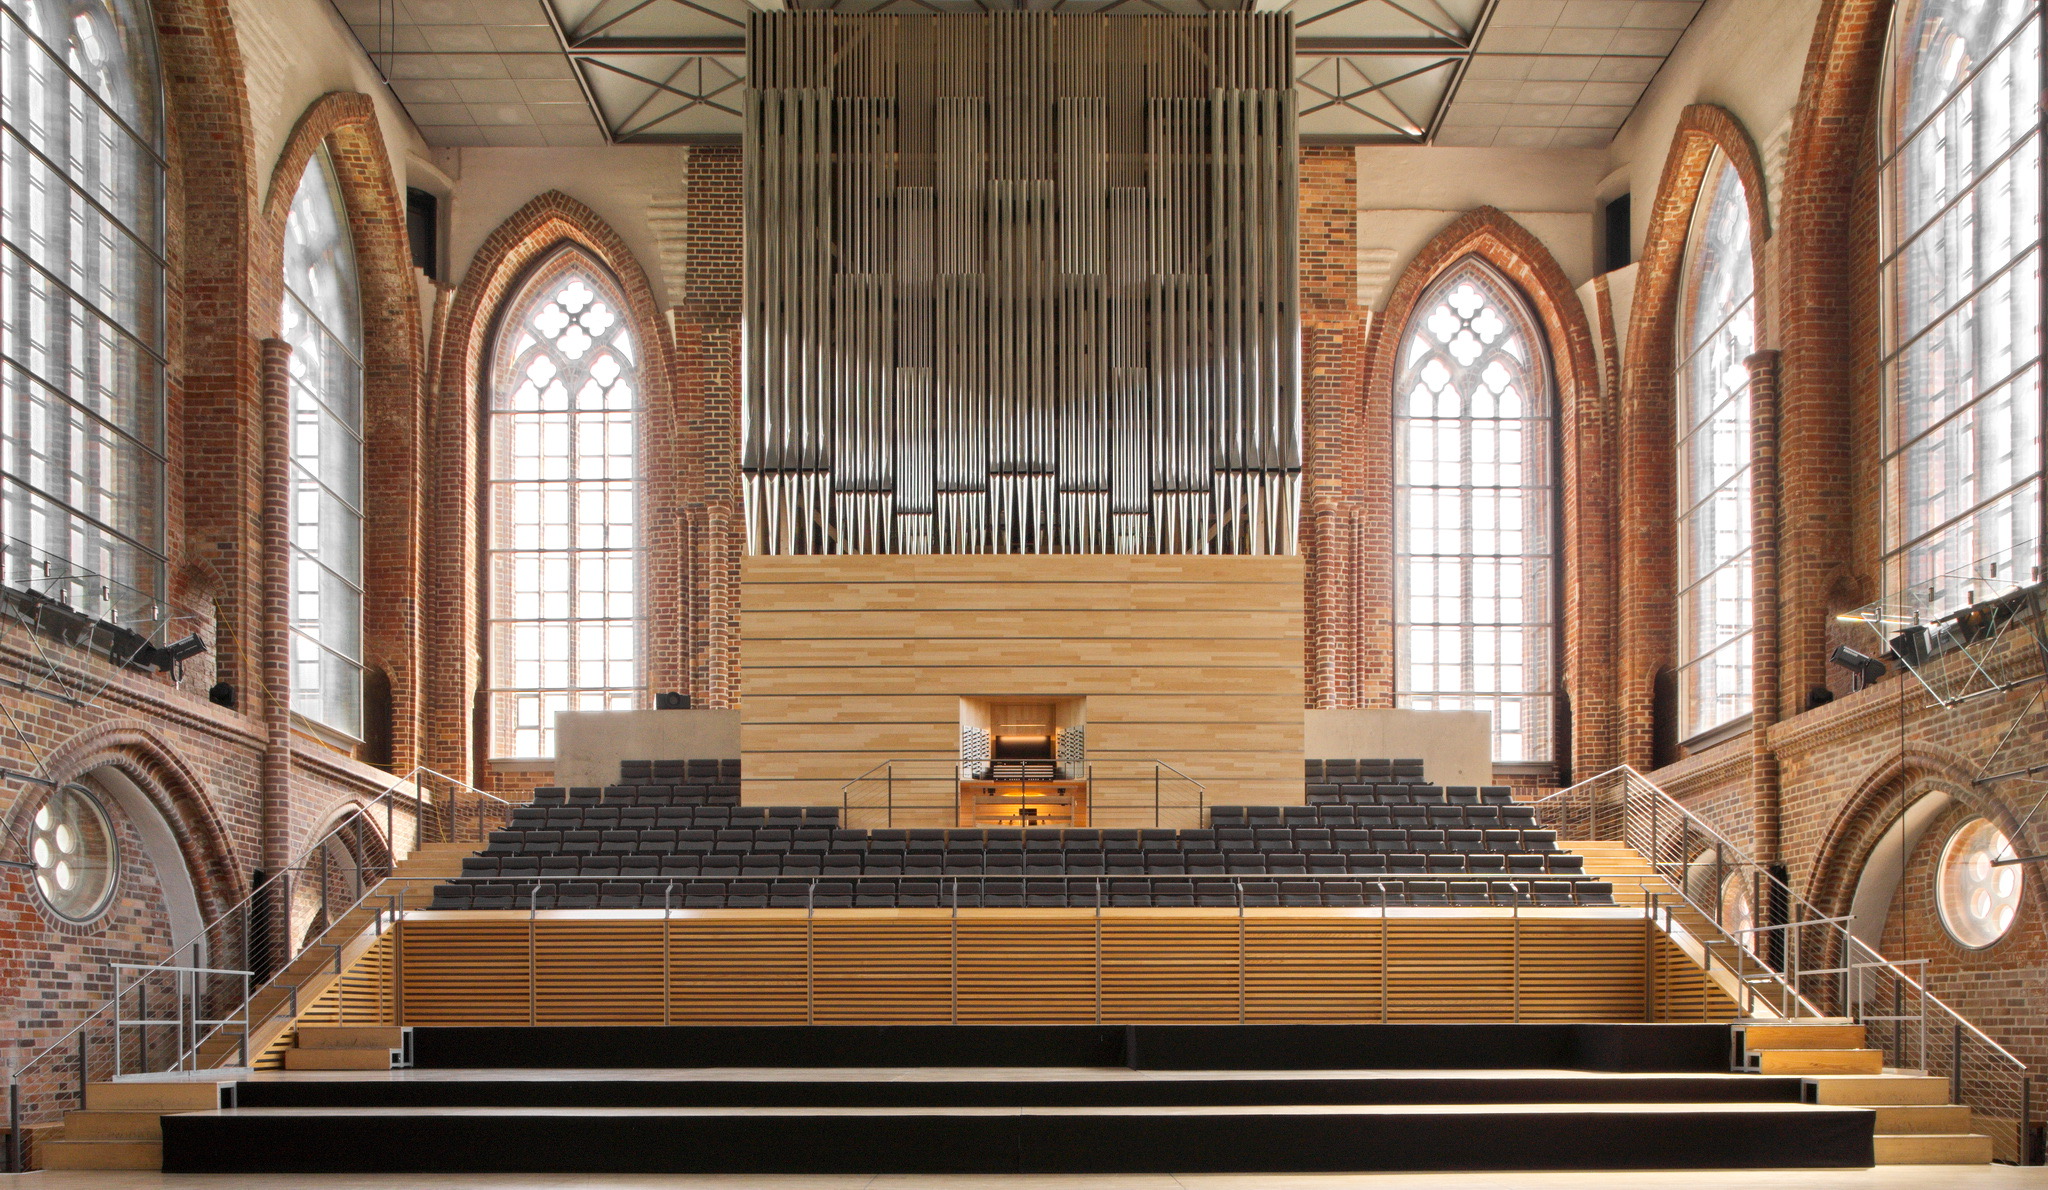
1021 282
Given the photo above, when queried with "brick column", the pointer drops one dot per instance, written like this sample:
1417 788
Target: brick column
1765 790
275 399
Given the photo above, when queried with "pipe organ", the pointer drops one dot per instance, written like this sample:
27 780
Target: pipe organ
1021 283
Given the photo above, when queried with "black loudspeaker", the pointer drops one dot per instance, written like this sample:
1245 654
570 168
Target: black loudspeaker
670 700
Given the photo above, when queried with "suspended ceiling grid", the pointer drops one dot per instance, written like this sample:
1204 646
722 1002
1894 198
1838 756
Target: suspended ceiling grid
1526 73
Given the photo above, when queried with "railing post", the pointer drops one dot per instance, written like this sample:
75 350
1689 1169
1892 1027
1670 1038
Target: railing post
81 1058
2024 1155
889 797
13 1120
1955 1063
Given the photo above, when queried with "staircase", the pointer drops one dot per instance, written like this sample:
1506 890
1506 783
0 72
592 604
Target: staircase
1916 1123
122 1124
313 971
120 1127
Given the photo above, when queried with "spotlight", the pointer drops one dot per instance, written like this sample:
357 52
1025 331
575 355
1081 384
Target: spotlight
1911 646
167 658
1866 669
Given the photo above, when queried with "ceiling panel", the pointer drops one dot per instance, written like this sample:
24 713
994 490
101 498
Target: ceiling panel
1531 73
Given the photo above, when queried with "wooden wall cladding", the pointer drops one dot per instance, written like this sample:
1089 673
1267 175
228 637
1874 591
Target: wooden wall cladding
848 661
1072 966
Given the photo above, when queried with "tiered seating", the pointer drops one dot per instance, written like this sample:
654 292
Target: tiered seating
671 835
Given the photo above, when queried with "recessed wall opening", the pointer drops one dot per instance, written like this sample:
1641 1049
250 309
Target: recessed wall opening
1023 762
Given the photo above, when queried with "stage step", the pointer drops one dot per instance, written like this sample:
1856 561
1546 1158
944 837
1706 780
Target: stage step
337 1059
102 1154
1933 1149
1818 1061
965 1140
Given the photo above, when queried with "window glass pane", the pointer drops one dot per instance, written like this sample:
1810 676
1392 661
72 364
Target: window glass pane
1717 334
562 570
1962 283
81 307
320 320
1474 488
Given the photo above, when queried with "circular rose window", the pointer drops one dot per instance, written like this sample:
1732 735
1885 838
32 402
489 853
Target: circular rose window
73 846
1977 901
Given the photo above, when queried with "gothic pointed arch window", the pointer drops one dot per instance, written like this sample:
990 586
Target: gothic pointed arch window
322 320
1475 498
562 559
82 276
1962 281
1717 334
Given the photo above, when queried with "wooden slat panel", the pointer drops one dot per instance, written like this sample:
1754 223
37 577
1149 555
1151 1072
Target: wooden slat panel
1032 966
847 661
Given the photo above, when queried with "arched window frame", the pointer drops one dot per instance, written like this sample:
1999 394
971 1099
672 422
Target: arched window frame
526 679
321 317
1961 429
1716 335
1524 712
83 476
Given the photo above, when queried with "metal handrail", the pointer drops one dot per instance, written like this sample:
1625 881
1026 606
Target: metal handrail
1815 957
73 1044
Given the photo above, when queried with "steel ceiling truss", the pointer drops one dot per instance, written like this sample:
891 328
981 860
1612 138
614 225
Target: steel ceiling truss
669 71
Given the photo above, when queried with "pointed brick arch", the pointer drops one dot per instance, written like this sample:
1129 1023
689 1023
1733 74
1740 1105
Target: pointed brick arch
1648 437
1586 611
530 239
345 122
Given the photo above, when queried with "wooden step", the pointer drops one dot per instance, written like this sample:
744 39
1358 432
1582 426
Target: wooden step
1884 1090
337 1059
350 1037
1803 1037
147 1125
1941 1148
103 1154
198 1095
1818 1061
1924 1119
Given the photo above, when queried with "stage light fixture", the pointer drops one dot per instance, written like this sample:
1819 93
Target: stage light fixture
1865 668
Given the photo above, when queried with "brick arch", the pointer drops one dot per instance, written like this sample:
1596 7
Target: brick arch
532 237
1585 613
173 786
1648 413
1880 797
393 376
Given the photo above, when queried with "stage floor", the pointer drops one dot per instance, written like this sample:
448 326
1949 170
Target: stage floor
1888 1177
912 1074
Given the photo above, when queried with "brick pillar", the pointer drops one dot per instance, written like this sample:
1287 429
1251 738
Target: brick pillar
1765 790
275 398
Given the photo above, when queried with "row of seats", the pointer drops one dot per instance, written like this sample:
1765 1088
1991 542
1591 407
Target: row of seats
820 840
720 794
1518 817
1456 795
659 772
563 818
921 863
1402 769
824 894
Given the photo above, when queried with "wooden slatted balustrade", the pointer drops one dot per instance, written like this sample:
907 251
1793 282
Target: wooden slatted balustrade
1026 966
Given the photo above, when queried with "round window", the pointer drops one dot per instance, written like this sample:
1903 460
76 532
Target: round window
73 847
1977 901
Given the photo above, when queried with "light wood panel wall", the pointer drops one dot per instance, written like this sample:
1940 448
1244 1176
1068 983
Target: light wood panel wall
850 661
1053 966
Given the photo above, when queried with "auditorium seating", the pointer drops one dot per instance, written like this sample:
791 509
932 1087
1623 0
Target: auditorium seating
671 835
